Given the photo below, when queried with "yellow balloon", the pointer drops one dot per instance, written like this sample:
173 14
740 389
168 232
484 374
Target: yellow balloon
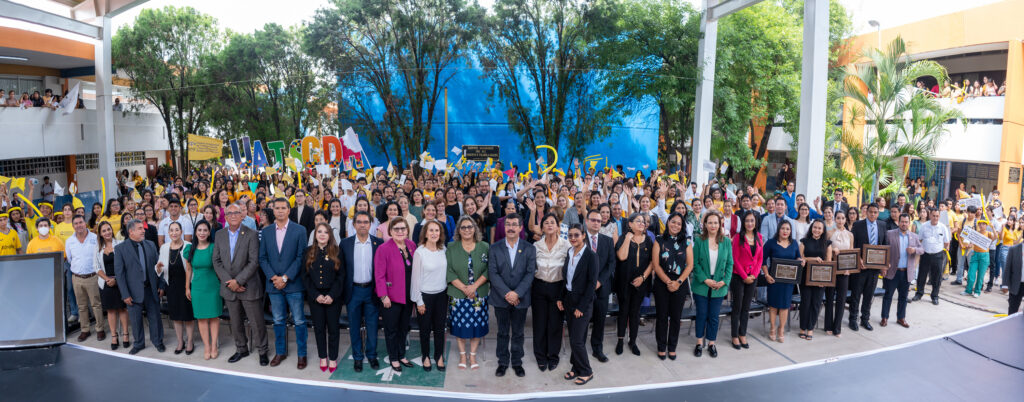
552 165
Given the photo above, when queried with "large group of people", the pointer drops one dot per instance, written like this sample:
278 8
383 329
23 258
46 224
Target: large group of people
966 89
450 249
47 99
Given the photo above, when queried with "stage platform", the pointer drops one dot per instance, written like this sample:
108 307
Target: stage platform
984 362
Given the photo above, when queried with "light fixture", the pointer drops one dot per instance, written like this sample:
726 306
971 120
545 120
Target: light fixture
15 58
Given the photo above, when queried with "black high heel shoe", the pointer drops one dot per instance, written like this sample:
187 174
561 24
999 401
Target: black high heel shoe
114 345
124 341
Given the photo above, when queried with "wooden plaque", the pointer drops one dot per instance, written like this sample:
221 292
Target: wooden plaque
848 261
821 274
786 271
876 257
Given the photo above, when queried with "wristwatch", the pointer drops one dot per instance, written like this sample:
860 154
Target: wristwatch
284 278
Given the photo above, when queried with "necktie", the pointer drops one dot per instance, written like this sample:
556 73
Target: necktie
142 257
872 233
593 242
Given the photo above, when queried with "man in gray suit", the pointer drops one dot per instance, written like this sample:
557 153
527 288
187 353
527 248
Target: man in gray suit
770 222
236 261
141 287
512 265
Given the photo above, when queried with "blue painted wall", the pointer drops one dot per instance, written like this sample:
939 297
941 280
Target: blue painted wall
474 119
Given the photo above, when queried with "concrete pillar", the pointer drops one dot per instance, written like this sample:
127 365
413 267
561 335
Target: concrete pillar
813 92
104 108
1010 154
701 150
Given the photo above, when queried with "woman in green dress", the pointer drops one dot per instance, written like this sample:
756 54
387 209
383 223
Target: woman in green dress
202 287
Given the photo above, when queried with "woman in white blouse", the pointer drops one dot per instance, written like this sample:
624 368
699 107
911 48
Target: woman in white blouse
552 251
427 290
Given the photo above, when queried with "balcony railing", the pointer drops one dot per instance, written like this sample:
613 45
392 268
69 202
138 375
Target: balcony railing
39 132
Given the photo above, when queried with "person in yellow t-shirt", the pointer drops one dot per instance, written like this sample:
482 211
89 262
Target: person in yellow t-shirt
112 215
10 242
64 230
46 242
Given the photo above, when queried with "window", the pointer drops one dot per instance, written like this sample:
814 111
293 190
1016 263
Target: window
87 161
32 166
20 84
125 159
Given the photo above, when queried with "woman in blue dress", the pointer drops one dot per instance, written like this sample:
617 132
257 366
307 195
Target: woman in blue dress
780 295
467 288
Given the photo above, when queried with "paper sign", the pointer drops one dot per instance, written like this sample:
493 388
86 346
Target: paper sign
457 151
967 202
401 180
323 170
976 238
709 166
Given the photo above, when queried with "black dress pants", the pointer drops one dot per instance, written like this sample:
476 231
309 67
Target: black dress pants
1014 301
669 309
326 329
578 341
742 295
598 317
630 299
510 335
396 329
810 306
835 304
862 291
930 272
547 320
432 322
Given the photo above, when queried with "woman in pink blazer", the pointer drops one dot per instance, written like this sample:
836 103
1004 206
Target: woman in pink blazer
747 248
392 271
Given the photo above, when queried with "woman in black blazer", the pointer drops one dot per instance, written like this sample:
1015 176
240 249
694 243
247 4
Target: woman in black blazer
577 301
325 284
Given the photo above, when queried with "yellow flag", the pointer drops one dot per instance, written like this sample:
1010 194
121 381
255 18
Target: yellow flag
674 176
593 164
4 180
18 183
679 158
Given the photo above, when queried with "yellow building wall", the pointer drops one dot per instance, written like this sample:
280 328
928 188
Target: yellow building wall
1013 126
992 23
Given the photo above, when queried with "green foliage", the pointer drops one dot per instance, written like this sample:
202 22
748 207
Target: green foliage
912 121
537 55
164 53
650 51
277 91
399 54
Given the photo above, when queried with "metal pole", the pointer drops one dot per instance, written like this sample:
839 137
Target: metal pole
446 123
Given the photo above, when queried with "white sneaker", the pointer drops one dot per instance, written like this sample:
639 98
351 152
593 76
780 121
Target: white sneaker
73 318
976 295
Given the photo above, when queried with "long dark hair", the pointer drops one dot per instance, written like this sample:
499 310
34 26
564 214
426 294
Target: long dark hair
195 238
809 237
779 230
680 237
331 250
743 225
93 217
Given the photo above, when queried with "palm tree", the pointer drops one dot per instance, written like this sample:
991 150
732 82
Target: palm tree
908 122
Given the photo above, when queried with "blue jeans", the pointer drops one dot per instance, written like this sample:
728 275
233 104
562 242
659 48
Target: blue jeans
69 292
1002 252
708 309
359 308
280 304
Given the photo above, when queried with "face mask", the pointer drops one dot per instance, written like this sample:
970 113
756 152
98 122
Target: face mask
43 231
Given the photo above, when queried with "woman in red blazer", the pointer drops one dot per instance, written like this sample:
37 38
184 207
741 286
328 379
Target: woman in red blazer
747 248
392 271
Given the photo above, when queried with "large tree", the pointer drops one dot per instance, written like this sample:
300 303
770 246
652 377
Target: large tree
650 51
273 91
393 59
164 54
538 56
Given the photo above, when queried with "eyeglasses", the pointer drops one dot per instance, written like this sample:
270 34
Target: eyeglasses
511 224
466 227
593 220
233 213
399 229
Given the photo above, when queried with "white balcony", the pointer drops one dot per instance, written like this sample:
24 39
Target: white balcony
37 132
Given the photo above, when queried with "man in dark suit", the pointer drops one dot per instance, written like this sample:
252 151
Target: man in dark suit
511 265
604 248
282 246
302 214
1014 262
357 254
838 202
141 287
580 272
862 285
236 262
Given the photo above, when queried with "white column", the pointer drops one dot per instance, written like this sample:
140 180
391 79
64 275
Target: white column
104 109
700 152
811 156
